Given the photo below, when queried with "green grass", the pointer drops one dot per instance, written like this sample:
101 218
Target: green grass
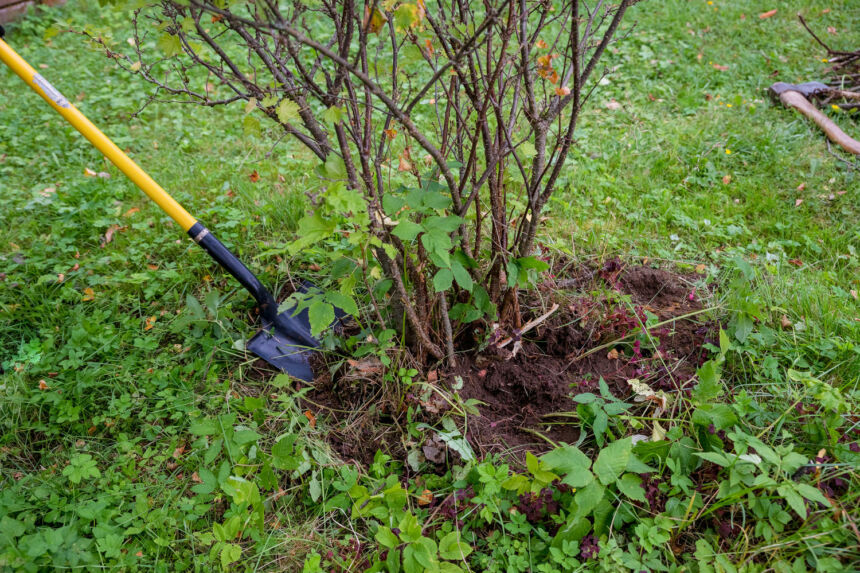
697 166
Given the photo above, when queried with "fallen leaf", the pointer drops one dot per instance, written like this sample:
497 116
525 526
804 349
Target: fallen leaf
658 433
254 176
103 175
727 179
700 269
831 30
150 322
89 294
797 202
61 277
612 354
801 187
89 172
768 14
177 453
433 376
853 293
92 430
109 234
613 105
795 262
152 267
196 478
311 418
47 191
404 164
43 385
720 67
425 498
43 66
75 267
131 212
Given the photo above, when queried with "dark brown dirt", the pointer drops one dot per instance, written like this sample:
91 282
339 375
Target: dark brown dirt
521 394
558 360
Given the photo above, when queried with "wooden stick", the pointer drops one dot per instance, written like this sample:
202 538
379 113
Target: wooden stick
834 133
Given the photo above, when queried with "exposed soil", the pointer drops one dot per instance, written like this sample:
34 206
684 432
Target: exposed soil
589 337
522 393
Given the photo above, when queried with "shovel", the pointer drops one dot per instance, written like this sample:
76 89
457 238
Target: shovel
285 341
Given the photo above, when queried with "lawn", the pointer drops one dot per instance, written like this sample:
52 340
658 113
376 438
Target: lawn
136 433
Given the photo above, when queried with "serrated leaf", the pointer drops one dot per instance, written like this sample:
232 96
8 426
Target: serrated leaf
442 280
407 230
343 302
631 486
612 460
452 547
386 537
464 279
320 315
288 110
169 45
312 228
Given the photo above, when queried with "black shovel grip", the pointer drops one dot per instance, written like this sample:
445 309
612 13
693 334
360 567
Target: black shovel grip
267 303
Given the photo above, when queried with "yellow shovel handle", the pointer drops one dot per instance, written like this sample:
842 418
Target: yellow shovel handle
96 137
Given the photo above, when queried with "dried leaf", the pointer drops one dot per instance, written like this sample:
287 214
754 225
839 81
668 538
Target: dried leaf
89 294
374 23
853 294
720 67
797 202
131 212
785 322
425 498
768 14
613 105
177 453
89 172
541 44
135 66
700 269
61 277
405 163
254 176
727 179
196 478
311 418
390 133
612 354
43 385
150 322
109 234
562 91
802 186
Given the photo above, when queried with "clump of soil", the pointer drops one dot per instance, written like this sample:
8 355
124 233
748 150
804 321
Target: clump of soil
560 358
589 337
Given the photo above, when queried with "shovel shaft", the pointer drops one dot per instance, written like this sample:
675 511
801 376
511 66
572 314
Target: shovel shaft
195 229
71 114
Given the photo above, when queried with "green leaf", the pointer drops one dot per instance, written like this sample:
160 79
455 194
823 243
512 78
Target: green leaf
631 486
169 45
342 301
566 458
720 415
451 547
407 230
386 537
725 343
709 387
464 279
206 427
209 482
438 243
714 457
527 150
588 498
812 493
442 224
743 326
794 500
612 460
288 110
320 315
443 279
332 115
251 125
312 229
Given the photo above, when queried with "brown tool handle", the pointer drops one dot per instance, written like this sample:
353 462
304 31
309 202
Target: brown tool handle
800 103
